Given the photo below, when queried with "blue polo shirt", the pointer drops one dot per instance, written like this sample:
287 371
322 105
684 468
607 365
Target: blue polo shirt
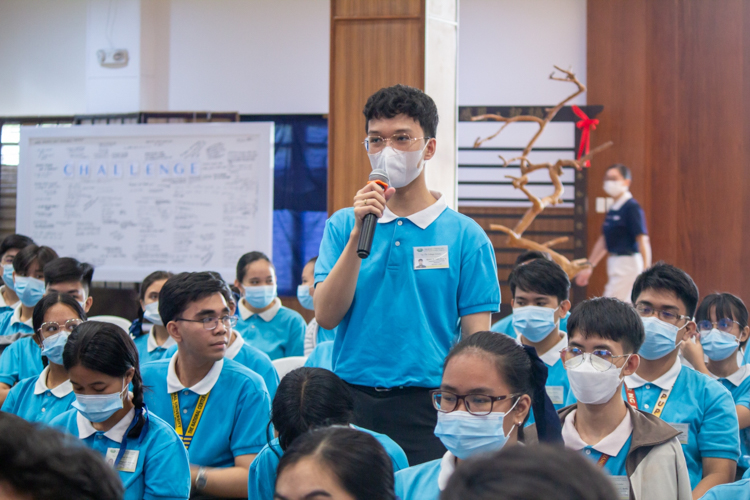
738 384
701 404
148 350
321 356
621 227
419 482
261 481
505 325
278 332
30 399
160 469
22 359
236 413
739 490
10 322
557 386
405 317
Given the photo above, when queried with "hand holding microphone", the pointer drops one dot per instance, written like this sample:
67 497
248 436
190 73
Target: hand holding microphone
369 204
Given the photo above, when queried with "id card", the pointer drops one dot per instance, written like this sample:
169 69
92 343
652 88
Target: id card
128 462
431 257
556 394
622 486
684 430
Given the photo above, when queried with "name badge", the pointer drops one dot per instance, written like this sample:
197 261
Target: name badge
622 486
431 257
556 393
128 462
684 430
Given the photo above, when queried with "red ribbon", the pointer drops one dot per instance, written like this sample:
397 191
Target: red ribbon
586 125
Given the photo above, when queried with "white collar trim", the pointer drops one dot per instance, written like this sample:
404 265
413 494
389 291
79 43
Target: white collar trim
737 377
202 387
116 433
234 348
447 468
423 218
16 318
60 391
609 445
553 355
665 382
625 197
265 315
151 344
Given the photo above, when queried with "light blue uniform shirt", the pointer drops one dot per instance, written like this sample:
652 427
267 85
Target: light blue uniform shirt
261 481
699 402
279 332
236 413
32 400
738 384
404 318
161 472
739 490
10 322
505 325
419 482
557 386
325 335
22 359
149 351
321 356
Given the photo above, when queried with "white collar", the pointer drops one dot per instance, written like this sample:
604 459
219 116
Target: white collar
737 377
265 315
609 445
151 342
665 382
423 218
234 348
16 317
619 203
60 391
447 468
553 355
116 433
202 387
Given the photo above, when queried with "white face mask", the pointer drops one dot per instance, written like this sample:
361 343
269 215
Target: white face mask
402 167
591 386
615 188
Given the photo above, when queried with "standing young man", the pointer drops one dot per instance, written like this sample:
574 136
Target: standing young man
397 321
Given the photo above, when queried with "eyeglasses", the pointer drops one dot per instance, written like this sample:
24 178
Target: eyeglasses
476 404
724 324
601 359
666 316
52 327
212 323
400 142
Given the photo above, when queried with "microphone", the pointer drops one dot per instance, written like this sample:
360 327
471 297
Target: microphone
370 222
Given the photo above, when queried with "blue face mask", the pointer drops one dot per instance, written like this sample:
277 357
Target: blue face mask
719 345
464 434
29 290
152 313
8 276
53 347
660 340
260 296
304 297
534 322
98 407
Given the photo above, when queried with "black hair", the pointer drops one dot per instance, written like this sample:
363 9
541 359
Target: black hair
64 269
666 277
41 463
248 259
150 280
104 348
182 289
529 473
530 255
727 306
624 171
359 462
312 261
307 398
541 276
402 99
226 290
608 318
23 259
51 299
14 242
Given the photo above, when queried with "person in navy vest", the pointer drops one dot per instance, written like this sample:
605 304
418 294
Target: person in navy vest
624 237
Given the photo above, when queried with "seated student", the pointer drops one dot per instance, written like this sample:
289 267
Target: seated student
722 324
335 462
221 406
314 334
321 356
307 398
264 322
639 451
11 245
700 408
102 362
484 375
42 398
151 338
505 325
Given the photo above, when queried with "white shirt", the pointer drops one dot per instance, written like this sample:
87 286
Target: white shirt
116 433
447 468
151 342
16 317
423 218
60 391
623 199
234 348
609 445
265 315
665 382
202 387
553 355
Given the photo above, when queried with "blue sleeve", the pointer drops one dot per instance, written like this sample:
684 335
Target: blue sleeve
11 401
9 365
719 435
636 221
335 237
297 327
264 367
251 418
398 457
478 288
505 326
167 472
744 398
261 480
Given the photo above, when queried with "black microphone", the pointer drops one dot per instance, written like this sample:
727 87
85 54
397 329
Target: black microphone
370 222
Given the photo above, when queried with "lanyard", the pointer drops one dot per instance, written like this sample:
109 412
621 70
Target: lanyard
660 403
602 460
187 437
124 443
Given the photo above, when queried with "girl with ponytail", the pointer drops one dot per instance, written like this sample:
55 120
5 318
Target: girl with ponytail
490 386
102 362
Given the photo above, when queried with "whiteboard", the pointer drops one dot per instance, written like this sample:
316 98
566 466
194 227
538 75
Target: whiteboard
133 199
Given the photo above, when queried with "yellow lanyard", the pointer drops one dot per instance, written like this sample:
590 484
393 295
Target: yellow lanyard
187 437
660 403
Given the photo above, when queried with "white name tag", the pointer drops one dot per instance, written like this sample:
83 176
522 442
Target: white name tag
128 462
622 486
431 257
684 430
556 393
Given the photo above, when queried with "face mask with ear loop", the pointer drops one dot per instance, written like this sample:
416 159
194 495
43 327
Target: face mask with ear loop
402 166
591 386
